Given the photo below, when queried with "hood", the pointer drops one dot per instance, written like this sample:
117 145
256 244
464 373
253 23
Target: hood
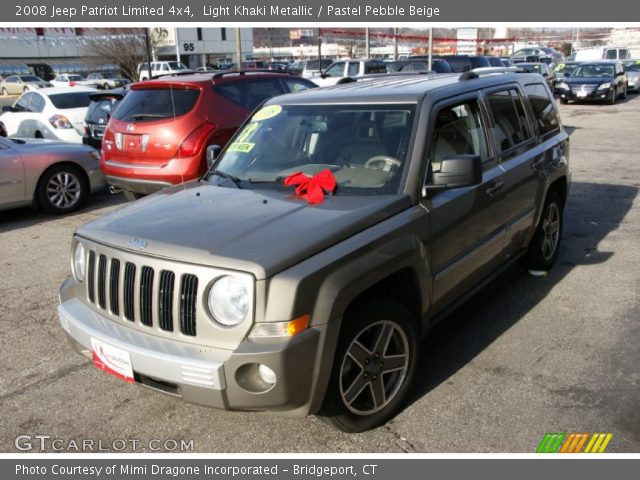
588 80
258 231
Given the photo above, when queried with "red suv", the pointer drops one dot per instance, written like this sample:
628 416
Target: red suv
158 135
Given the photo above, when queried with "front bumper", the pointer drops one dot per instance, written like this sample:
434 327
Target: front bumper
601 95
198 374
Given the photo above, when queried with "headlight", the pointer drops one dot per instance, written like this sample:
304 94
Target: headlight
229 300
604 86
564 86
78 262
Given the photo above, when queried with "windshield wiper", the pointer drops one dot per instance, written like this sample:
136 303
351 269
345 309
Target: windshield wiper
265 180
236 181
138 116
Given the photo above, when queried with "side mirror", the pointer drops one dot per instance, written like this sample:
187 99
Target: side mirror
8 108
212 153
456 172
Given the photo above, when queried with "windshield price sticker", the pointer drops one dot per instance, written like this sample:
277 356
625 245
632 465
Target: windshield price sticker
241 147
267 112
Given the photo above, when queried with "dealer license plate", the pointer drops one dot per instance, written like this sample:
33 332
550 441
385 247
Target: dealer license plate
112 360
581 94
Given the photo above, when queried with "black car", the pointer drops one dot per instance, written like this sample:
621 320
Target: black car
538 67
420 65
100 109
602 80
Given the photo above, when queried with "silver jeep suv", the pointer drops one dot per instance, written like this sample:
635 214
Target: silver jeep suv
301 273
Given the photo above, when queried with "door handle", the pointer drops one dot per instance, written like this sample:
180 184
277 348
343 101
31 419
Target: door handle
494 188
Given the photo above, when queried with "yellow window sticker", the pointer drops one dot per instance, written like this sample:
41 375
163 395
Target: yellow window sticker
244 136
241 147
267 112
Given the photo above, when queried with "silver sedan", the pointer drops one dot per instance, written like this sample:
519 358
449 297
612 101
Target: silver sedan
51 175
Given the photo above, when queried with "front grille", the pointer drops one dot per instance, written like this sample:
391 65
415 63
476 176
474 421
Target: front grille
583 87
141 294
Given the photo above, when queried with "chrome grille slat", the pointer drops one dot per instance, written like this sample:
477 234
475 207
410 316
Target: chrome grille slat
114 287
91 273
146 296
102 282
188 299
165 300
129 290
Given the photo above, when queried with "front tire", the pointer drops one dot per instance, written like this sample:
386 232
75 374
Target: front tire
373 368
545 244
62 189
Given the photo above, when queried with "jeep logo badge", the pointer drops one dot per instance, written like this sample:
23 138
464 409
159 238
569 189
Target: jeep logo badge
138 243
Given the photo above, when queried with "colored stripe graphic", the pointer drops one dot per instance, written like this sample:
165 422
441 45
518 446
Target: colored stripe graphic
556 442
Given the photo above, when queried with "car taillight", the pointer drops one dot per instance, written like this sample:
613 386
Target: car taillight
194 141
60 121
72 84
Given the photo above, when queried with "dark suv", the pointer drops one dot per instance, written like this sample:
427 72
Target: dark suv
334 230
159 134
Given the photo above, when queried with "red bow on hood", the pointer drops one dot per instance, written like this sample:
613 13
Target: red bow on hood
312 188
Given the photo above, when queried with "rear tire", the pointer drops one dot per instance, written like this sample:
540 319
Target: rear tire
545 244
62 189
374 365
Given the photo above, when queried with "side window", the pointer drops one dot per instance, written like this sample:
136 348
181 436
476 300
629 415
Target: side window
336 70
260 90
543 108
37 103
231 91
353 69
611 54
23 102
11 80
458 131
294 85
624 53
510 120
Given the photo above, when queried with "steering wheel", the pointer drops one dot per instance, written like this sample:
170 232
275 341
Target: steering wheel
385 161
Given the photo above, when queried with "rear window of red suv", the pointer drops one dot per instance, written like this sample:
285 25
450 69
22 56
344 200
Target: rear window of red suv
146 105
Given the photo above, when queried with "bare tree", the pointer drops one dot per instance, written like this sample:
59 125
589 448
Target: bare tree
125 47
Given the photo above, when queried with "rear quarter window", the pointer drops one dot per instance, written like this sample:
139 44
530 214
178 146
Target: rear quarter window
156 104
544 110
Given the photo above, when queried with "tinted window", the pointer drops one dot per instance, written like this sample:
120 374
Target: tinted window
479 62
231 91
155 104
260 90
75 78
594 70
22 104
12 80
543 108
353 69
458 64
633 67
611 54
375 67
510 120
70 100
30 78
101 110
458 131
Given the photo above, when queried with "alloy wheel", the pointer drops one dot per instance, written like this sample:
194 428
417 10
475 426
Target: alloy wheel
551 230
63 190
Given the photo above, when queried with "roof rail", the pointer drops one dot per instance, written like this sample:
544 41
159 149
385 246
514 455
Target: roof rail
477 72
249 70
174 74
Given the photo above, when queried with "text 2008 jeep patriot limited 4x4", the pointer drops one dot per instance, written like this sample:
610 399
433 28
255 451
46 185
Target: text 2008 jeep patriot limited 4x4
300 274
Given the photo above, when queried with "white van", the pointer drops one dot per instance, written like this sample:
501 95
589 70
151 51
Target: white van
602 53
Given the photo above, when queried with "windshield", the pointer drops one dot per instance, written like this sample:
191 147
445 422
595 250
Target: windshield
101 110
564 68
364 146
71 100
156 104
75 78
593 70
30 78
177 66
314 65
633 68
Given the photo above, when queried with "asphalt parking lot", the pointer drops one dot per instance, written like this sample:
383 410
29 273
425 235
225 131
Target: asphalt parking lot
524 357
